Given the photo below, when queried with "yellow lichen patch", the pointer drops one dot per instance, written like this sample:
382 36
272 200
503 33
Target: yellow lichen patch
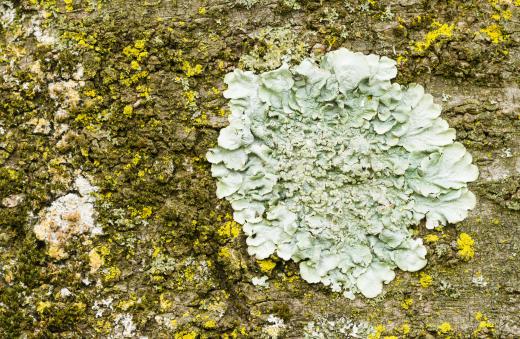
405 329
128 110
431 238
494 33
146 212
190 97
186 335
425 280
444 328
224 252
407 303
484 325
465 245
378 330
68 5
210 324
266 266
230 229
125 305
191 71
439 31
114 273
165 304
42 306
202 10
401 59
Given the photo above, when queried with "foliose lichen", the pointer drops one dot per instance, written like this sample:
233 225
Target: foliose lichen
329 165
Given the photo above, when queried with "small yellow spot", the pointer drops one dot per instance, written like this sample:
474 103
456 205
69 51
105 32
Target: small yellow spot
191 70
425 280
68 5
186 335
202 10
405 329
139 44
484 325
266 265
407 303
444 328
147 211
128 110
494 33
164 303
42 306
230 229
465 245
440 31
210 324
431 238
401 60
114 273
224 252
135 65
91 93
379 329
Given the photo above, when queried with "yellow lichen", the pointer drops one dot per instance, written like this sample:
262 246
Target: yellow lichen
401 59
407 303
378 330
224 252
444 328
405 329
494 33
484 324
266 266
465 245
191 71
440 31
210 324
146 212
68 5
431 238
114 273
128 110
425 280
164 303
230 229
186 335
42 306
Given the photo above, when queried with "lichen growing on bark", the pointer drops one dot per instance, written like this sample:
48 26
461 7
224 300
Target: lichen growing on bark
329 164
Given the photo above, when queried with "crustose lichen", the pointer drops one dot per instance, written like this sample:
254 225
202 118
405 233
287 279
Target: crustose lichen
329 164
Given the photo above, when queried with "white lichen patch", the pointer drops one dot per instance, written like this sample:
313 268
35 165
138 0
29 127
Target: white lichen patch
124 327
7 14
68 216
275 328
323 328
260 281
330 164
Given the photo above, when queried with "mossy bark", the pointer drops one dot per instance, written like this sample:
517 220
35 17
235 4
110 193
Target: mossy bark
128 94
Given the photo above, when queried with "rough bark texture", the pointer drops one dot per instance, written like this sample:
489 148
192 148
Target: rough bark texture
128 94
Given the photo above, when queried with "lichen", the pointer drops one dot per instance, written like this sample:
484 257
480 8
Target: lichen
328 165
69 215
465 245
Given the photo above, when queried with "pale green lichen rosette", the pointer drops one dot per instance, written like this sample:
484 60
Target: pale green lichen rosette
329 165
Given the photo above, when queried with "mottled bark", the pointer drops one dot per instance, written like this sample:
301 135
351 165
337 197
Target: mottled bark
128 94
